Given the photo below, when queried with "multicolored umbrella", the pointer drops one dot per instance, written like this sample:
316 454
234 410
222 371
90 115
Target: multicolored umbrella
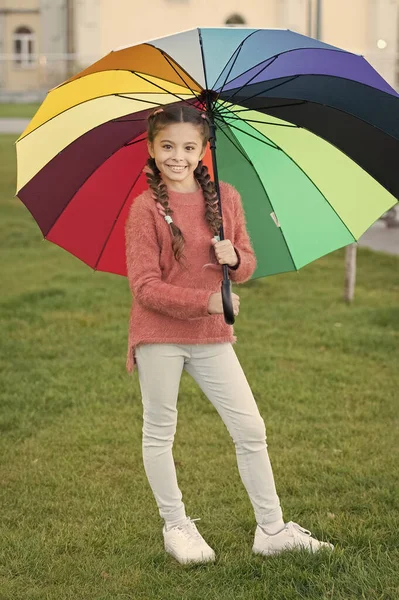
308 134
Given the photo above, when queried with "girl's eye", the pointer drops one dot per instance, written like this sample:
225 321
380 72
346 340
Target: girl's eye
189 148
166 146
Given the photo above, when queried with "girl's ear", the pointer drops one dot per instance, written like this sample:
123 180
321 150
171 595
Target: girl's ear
150 149
202 153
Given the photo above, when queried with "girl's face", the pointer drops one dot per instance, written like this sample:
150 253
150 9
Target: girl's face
177 150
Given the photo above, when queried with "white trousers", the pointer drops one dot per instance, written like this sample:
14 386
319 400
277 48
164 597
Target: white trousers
217 371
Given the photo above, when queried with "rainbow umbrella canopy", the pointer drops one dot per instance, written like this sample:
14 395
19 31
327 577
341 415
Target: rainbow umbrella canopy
306 132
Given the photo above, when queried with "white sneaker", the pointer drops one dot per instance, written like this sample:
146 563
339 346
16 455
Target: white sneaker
186 544
293 536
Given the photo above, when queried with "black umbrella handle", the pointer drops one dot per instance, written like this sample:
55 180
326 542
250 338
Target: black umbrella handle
227 300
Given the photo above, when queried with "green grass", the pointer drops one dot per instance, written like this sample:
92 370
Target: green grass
78 517
21 111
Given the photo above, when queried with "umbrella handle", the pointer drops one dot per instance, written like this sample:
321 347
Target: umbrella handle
226 298
227 301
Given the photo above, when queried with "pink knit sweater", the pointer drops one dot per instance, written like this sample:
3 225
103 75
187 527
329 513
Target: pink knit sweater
170 304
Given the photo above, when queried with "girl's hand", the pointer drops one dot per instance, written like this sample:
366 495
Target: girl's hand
215 304
224 250
225 253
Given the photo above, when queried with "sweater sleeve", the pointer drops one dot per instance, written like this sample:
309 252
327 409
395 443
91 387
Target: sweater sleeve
144 271
246 265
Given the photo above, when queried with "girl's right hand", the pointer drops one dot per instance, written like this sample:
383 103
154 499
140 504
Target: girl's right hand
215 304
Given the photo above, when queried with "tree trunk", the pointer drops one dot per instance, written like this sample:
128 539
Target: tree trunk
350 272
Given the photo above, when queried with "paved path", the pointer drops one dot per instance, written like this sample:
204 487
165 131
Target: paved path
378 237
382 238
13 125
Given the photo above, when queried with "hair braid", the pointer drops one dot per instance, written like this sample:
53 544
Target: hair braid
160 194
212 214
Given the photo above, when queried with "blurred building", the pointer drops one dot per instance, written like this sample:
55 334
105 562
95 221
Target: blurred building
42 42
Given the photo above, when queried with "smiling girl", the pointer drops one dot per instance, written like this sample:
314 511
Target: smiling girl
174 272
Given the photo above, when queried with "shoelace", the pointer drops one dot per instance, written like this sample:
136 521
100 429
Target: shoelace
298 528
189 530
313 543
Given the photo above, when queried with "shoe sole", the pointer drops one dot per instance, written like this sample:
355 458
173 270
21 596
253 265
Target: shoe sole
278 551
185 561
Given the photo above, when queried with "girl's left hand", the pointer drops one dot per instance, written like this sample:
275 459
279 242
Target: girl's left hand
225 253
224 250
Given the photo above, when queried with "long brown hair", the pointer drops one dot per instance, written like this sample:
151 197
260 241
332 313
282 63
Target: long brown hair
157 120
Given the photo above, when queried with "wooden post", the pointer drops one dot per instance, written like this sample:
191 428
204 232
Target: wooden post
350 272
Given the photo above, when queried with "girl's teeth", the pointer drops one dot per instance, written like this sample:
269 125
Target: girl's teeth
177 169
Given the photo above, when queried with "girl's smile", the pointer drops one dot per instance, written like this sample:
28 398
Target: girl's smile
176 169
177 150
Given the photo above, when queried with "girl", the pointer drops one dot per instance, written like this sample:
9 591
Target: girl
177 323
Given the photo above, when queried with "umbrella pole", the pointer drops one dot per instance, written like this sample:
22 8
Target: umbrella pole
226 283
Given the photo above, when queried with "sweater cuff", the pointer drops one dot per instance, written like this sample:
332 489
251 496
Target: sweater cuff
207 295
239 260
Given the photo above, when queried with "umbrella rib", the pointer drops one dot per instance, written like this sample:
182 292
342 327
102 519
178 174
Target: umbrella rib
241 151
310 48
115 221
185 83
263 122
275 146
237 53
136 99
141 100
232 65
202 56
165 54
248 82
271 107
159 86
135 141
122 120
272 88
267 195
238 50
272 145
277 56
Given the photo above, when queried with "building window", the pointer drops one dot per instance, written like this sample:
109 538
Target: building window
24 47
235 19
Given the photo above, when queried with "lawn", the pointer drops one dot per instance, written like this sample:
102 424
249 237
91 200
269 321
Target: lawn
19 111
78 517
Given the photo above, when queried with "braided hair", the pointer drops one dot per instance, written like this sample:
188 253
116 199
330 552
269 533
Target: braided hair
156 121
